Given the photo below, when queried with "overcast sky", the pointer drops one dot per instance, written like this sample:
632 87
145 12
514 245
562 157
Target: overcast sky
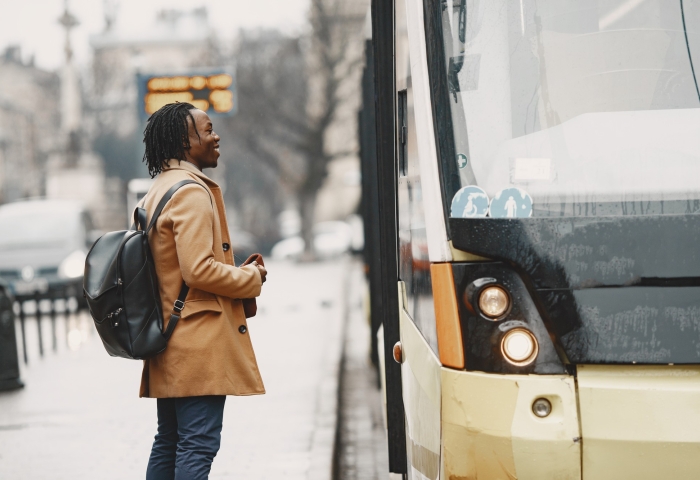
33 23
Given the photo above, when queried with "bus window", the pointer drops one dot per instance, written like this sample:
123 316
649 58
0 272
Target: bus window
591 108
414 264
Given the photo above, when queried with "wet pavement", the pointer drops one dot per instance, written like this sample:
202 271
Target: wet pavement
362 445
79 416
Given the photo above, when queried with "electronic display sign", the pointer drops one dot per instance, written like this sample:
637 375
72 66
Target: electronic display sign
212 91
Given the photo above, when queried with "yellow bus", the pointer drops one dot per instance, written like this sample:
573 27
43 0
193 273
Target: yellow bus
532 186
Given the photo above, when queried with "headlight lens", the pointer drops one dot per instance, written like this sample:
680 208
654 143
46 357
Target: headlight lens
519 347
73 265
494 302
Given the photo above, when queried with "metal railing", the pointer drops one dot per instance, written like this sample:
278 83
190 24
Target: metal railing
36 308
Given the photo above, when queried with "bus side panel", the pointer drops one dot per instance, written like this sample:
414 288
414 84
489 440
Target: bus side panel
640 422
490 431
420 373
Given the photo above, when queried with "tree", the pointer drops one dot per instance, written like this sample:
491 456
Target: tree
334 60
270 79
329 77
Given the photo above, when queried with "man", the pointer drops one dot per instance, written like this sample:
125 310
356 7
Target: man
209 354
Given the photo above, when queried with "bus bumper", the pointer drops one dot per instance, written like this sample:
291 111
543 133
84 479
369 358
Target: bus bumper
618 422
640 422
489 429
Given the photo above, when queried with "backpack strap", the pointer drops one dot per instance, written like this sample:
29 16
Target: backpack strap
177 310
139 220
140 217
165 200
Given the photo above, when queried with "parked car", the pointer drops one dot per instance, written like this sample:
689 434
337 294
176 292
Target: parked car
331 239
43 244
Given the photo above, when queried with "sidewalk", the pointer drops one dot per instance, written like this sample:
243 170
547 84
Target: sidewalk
79 416
362 443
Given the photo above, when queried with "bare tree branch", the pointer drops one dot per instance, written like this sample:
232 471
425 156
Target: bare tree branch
275 119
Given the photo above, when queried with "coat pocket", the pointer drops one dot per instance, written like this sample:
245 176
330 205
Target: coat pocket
194 307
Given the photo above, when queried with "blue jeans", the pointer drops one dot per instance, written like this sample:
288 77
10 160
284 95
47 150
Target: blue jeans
189 435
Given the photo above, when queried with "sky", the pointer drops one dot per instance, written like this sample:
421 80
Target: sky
33 23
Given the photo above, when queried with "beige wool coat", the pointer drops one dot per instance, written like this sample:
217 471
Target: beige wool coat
210 352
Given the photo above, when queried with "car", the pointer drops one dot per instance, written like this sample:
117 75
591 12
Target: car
43 244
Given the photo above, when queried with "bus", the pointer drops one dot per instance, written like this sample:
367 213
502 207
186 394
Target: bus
531 173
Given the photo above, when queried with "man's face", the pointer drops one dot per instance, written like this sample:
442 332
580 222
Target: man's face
204 149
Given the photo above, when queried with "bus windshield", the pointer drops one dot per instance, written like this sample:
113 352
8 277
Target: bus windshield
573 108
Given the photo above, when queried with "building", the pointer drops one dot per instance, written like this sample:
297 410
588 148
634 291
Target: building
29 125
177 41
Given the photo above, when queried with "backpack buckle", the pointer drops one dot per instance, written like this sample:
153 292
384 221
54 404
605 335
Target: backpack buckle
179 305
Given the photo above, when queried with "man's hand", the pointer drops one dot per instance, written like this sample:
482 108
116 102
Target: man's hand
262 270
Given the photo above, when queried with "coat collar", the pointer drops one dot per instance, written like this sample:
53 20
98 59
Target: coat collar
174 164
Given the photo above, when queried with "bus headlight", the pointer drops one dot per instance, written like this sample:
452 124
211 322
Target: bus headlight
494 302
519 347
73 265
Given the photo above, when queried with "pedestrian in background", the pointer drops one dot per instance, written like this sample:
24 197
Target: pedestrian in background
210 354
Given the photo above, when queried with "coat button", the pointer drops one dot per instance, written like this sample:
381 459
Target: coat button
242 329
226 247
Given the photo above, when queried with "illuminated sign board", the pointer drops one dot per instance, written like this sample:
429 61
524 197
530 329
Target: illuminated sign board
211 91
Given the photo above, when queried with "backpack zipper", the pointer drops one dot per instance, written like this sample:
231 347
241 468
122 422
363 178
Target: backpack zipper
114 314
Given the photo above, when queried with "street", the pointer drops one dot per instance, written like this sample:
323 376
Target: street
79 415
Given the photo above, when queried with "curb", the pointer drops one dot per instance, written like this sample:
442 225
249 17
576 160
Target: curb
323 453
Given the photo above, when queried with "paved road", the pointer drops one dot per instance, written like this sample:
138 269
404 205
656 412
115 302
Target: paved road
80 417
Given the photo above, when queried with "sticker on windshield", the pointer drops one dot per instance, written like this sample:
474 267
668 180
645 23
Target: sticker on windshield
461 160
470 202
525 170
511 203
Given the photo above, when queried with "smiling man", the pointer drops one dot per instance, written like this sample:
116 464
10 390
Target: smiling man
209 354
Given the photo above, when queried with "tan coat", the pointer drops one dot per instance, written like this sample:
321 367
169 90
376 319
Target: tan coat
207 353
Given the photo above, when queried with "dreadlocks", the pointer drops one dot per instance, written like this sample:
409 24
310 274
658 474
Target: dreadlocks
166 135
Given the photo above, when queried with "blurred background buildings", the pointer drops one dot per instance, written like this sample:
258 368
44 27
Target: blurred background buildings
29 124
289 152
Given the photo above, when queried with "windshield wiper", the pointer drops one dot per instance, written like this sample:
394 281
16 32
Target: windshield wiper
690 57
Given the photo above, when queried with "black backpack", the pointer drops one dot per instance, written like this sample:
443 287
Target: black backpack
121 289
